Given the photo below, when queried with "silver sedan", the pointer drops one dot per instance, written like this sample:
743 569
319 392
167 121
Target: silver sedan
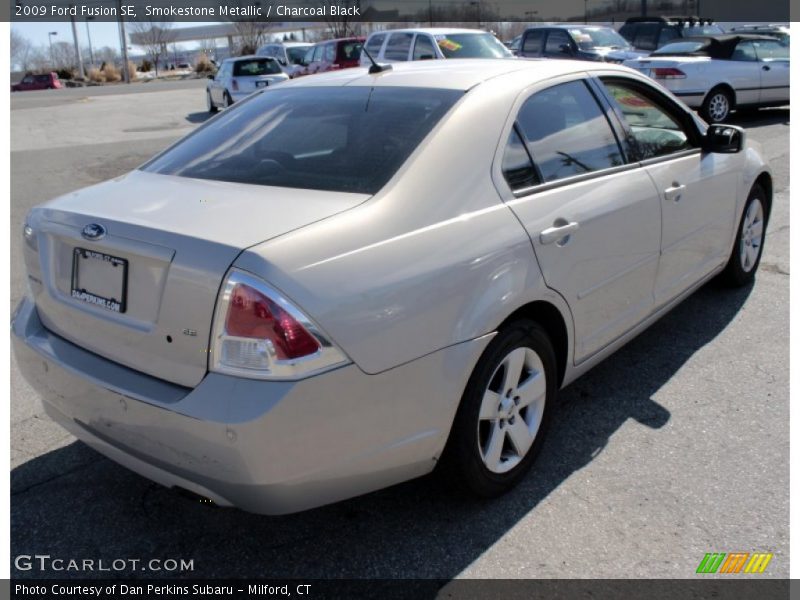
351 279
239 77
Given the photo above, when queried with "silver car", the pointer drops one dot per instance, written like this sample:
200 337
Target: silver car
350 279
289 55
239 77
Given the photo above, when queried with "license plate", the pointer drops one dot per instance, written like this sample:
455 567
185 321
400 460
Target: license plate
262 83
99 279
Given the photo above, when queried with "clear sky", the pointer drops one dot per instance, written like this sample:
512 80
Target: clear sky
103 33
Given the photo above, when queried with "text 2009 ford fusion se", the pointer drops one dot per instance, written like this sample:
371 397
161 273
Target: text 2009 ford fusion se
346 280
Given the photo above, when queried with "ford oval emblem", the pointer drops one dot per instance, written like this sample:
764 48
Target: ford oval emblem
94 231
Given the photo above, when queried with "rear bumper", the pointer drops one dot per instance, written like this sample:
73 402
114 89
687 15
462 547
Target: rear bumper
266 447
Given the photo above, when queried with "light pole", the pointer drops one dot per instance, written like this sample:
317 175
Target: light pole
50 35
586 12
89 36
477 4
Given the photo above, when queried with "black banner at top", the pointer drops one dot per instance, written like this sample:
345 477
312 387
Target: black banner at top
400 11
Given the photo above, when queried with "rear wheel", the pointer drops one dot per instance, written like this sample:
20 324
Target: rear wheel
504 413
749 245
717 106
212 108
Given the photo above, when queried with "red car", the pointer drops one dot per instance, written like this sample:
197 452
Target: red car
48 81
332 55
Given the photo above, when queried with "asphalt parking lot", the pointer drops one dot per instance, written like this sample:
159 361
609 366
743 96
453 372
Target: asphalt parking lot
676 446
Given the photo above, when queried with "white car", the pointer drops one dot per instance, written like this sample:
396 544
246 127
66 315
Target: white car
289 55
717 74
239 77
430 43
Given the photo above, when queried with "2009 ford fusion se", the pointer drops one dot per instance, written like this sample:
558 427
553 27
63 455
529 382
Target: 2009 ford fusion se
346 280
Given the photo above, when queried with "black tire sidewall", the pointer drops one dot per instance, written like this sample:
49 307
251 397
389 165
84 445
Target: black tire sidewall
734 273
462 457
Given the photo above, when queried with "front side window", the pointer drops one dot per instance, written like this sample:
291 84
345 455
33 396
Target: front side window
567 132
423 47
744 51
296 54
398 46
769 50
329 53
343 139
350 50
556 41
654 131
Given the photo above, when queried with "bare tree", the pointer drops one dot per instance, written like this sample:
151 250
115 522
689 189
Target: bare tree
251 35
107 54
345 25
21 48
63 55
154 37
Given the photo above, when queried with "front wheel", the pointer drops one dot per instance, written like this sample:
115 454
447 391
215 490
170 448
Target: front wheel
749 245
228 100
504 413
212 108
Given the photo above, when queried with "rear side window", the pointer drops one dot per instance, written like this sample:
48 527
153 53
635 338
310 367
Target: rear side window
349 50
532 44
769 50
398 46
374 44
518 168
255 67
423 47
567 132
744 51
343 139
646 36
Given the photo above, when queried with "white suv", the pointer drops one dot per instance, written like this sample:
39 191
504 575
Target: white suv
432 43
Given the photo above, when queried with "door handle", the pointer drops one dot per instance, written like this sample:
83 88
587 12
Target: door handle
765 68
675 192
558 232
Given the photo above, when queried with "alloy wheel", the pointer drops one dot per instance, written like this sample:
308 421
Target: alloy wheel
718 107
752 235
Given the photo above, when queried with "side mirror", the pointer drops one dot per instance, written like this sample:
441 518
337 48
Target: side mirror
724 139
565 49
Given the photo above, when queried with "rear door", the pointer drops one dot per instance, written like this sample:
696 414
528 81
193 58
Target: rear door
424 48
696 190
532 45
743 71
593 218
559 44
398 46
773 60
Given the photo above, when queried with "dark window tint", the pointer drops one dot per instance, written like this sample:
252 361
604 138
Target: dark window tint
517 166
628 31
744 51
646 36
532 44
347 139
556 40
654 131
423 47
667 35
296 54
255 67
43 78
375 43
349 51
398 46
567 132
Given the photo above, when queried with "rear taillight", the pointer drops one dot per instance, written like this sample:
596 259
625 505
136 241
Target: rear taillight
235 85
668 73
260 334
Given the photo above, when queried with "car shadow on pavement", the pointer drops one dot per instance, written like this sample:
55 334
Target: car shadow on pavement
73 503
752 118
199 117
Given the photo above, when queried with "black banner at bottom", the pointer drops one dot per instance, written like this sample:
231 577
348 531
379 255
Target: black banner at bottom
417 589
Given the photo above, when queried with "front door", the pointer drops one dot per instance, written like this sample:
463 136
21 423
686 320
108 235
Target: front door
773 58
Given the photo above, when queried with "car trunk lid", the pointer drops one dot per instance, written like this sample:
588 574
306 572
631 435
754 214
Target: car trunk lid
142 291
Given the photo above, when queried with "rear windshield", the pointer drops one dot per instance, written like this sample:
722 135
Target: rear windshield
349 50
471 45
344 139
680 48
702 30
255 67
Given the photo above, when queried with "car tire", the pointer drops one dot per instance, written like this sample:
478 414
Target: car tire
717 105
228 99
749 245
212 108
490 447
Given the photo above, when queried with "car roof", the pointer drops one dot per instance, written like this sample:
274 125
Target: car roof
454 73
568 26
715 46
431 30
247 57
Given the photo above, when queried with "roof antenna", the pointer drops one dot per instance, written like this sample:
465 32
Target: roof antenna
375 68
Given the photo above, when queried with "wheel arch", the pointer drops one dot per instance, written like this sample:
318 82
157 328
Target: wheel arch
764 179
554 323
724 86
